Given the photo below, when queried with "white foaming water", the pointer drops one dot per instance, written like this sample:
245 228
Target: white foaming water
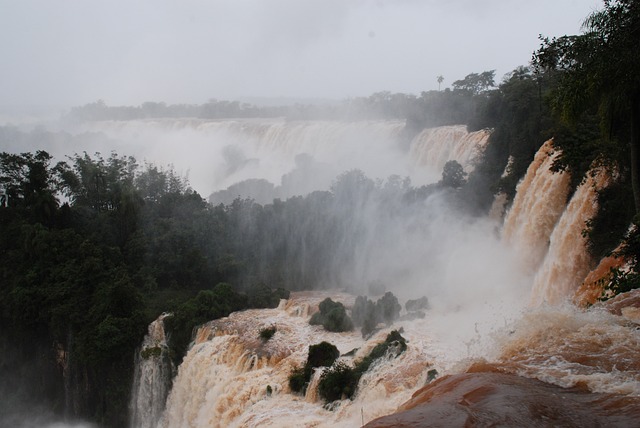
224 378
566 346
152 377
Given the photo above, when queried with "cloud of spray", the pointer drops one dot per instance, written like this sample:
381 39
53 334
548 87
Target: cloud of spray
431 249
218 154
423 248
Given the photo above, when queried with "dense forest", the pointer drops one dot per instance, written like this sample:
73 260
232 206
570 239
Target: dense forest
95 248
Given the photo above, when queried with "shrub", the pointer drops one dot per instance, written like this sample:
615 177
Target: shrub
388 307
261 296
337 382
154 351
360 308
393 339
297 380
417 304
342 381
324 354
267 333
337 320
367 314
332 316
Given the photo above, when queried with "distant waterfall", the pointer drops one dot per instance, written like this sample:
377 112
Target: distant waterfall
434 147
152 377
219 153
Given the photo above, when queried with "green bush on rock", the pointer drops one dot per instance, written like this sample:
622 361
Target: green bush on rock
323 354
332 316
341 381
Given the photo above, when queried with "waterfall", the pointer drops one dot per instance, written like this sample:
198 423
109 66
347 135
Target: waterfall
546 232
434 147
231 377
219 153
152 377
567 262
539 202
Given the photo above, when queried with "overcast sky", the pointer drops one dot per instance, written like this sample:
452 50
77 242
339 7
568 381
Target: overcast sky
71 52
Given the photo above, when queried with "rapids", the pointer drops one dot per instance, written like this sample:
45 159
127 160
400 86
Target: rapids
224 378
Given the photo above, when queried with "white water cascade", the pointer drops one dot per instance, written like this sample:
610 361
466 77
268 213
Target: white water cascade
152 377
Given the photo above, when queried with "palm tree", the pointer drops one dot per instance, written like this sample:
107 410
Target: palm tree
439 79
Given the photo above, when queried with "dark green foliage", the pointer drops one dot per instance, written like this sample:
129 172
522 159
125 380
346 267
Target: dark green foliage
332 316
432 375
453 174
205 306
367 314
623 281
297 380
261 296
388 308
417 304
324 354
361 307
341 381
337 382
620 282
475 83
630 248
615 213
267 333
269 390
154 351
393 339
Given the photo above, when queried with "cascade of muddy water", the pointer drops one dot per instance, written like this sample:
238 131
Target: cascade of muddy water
568 262
232 378
224 378
538 204
152 377
434 147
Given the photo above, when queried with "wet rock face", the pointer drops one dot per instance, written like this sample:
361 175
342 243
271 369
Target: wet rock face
491 398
